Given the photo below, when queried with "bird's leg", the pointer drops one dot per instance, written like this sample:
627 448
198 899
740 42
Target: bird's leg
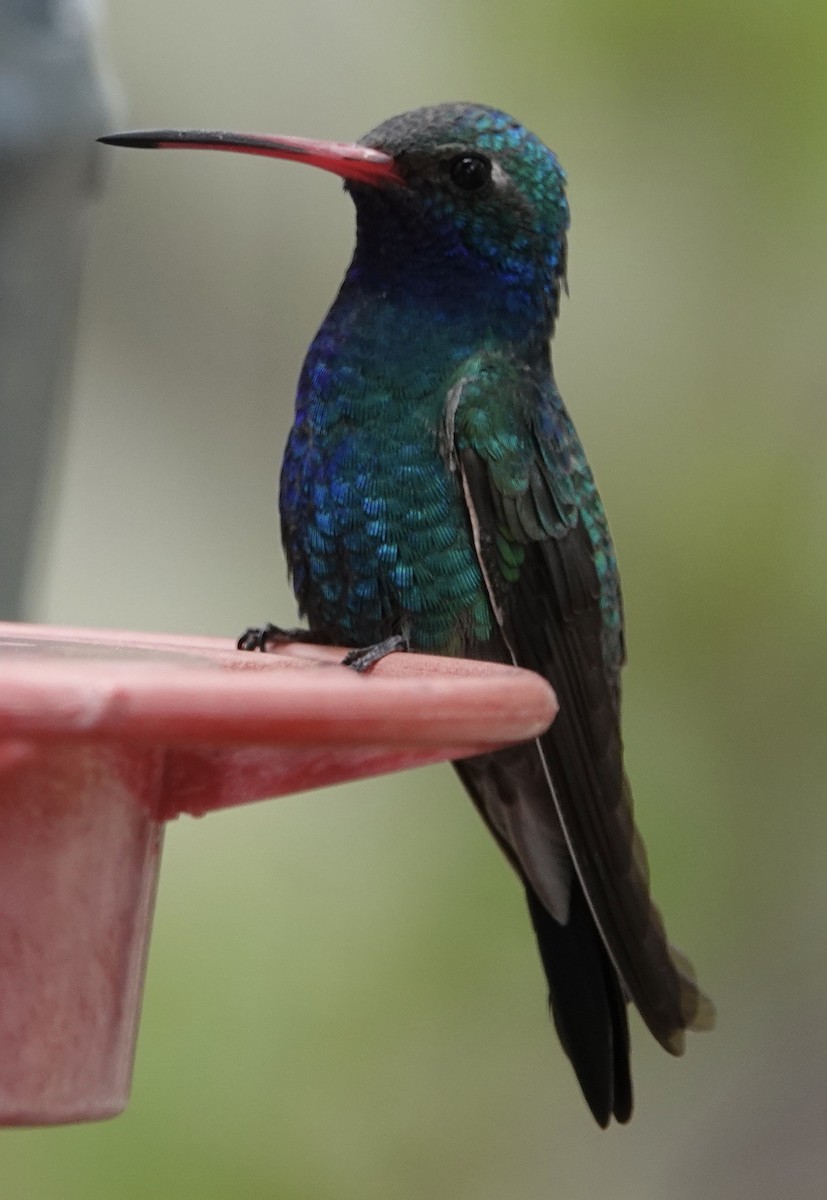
259 637
364 657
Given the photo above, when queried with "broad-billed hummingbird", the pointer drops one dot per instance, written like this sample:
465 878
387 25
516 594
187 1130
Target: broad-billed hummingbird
435 497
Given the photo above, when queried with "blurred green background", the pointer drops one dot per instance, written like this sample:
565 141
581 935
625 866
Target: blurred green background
343 998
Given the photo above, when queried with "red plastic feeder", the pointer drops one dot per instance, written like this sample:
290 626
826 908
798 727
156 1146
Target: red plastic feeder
104 736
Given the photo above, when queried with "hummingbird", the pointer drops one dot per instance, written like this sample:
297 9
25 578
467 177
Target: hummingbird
435 497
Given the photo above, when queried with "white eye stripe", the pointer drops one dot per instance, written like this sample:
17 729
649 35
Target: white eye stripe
498 175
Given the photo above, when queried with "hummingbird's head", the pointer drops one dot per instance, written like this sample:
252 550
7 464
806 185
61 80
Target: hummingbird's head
451 199
471 185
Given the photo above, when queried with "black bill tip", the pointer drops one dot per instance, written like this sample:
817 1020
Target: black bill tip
142 141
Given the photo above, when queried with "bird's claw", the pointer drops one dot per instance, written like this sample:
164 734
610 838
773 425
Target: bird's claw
259 637
364 657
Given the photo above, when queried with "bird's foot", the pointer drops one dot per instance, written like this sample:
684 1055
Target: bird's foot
259 637
364 657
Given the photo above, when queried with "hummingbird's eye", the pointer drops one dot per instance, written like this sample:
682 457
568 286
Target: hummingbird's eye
470 172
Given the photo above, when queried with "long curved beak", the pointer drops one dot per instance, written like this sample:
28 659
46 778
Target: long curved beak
359 163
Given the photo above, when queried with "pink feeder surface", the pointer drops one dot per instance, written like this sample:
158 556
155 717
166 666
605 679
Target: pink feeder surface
104 736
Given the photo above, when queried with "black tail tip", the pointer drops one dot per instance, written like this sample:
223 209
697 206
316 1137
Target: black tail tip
587 1005
608 1097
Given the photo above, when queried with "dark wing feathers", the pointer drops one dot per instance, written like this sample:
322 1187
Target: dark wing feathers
585 760
549 620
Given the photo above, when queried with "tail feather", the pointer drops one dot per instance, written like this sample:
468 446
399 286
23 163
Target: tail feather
587 1005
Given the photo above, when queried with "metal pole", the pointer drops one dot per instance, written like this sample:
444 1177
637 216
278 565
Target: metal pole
52 106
